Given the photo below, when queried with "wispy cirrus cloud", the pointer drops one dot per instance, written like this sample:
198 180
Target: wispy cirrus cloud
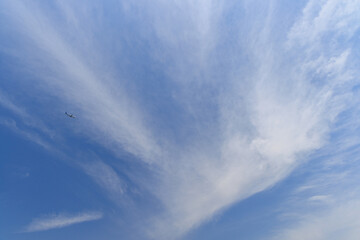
61 220
26 118
227 126
329 48
96 96
325 204
106 177
29 135
340 221
269 123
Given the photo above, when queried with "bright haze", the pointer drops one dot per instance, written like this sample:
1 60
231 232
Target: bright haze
194 119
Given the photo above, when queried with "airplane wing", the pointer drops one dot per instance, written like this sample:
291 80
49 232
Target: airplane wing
70 115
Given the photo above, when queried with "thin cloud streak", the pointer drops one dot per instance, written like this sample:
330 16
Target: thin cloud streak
105 177
61 221
24 115
339 222
104 111
29 135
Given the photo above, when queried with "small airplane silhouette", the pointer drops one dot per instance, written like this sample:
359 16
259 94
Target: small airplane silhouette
70 115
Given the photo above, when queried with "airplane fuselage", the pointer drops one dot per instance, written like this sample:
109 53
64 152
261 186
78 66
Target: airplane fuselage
69 115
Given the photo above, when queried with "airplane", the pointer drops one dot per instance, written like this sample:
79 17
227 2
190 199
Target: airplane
69 115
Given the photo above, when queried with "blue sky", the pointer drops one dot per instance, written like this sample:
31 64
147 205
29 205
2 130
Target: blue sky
194 119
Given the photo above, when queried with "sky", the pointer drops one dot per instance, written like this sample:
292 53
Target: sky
201 119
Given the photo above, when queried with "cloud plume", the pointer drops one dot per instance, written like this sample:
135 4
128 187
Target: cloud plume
60 221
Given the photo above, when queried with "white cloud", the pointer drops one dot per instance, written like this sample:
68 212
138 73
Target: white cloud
29 120
269 123
320 198
340 222
106 108
326 205
245 130
29 135
60 221
323 16
106 177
